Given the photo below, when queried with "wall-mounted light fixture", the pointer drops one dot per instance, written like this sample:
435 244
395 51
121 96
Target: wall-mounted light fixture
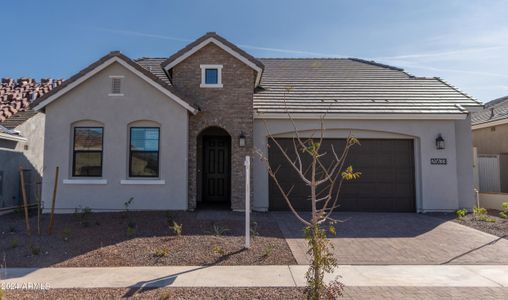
440 142
241 139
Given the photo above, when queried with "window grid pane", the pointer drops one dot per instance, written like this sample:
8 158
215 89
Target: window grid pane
144 152
211 76
87 152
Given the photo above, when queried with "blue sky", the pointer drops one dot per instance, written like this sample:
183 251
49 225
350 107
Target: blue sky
464 42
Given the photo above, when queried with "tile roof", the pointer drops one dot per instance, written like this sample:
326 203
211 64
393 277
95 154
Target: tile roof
352 86
17 95
494 110
153 65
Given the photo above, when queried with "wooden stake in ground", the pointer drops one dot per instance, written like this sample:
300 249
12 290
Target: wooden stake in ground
52 216
25 202
38 199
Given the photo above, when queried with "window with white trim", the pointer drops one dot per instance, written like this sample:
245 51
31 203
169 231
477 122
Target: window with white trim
116 85
211 76
87 151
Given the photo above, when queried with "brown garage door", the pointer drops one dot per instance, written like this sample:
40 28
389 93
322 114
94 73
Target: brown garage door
387 183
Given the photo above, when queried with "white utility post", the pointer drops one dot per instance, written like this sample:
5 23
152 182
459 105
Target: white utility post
247 201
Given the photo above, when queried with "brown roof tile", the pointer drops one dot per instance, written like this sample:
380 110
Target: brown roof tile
16 95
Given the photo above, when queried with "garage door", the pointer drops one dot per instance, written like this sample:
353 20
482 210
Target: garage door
387 183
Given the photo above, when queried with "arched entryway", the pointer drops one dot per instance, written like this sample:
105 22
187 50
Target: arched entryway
214 168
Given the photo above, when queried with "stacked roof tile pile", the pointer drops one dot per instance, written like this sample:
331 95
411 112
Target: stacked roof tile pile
16 95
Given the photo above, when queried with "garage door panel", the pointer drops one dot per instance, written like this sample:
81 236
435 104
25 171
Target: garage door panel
386 184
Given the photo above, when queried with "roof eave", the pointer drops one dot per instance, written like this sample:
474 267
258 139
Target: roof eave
101 64
490 124
363 116
11 137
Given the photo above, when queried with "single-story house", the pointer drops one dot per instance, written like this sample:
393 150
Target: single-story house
21 138
490 138
173 132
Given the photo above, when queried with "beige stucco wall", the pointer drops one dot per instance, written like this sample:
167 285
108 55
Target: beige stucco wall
493 200
13 156
491 141
438 187
141 101
33 130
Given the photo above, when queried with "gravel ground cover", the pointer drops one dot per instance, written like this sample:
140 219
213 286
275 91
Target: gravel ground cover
87 239
367 293
498 228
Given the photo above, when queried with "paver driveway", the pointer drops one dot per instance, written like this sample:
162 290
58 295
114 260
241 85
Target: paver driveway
399 238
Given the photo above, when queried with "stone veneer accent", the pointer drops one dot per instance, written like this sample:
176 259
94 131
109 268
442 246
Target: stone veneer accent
230 108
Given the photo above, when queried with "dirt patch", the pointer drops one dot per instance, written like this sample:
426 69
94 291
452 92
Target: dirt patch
498 228
264 293
142 239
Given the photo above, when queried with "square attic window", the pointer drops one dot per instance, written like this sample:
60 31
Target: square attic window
211 76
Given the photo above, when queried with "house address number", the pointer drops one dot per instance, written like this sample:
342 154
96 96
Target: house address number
438 161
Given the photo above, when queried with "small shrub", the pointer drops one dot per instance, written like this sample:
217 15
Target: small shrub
504 213
219 230
485 218
131 230
254 229
163 252
218 250
82 215
169 217
14 244
126 205
267 251
481 215
34 249
461 213
177 229
66 234
166 296
478 211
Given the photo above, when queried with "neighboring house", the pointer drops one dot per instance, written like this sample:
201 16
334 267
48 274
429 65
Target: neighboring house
173 132
490 138
21 138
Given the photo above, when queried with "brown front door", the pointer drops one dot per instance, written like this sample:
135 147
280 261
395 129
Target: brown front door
216 169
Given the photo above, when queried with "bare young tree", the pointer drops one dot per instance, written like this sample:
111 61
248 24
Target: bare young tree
323 172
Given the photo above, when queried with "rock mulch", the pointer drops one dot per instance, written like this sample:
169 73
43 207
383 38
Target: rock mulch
369 293
142 239
498 228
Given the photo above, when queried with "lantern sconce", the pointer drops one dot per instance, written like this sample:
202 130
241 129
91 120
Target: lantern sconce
440 142
241 138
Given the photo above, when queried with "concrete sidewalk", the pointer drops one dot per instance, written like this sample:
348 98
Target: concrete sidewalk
258 276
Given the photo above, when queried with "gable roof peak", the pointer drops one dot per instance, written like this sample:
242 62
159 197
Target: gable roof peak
212 37
99 65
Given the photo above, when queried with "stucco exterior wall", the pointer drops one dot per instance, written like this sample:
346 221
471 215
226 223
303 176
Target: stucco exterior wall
29 156
491 140
229 108
465 163
141 101
33 130
438 187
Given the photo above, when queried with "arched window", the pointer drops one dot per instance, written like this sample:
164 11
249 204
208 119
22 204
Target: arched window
87 148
